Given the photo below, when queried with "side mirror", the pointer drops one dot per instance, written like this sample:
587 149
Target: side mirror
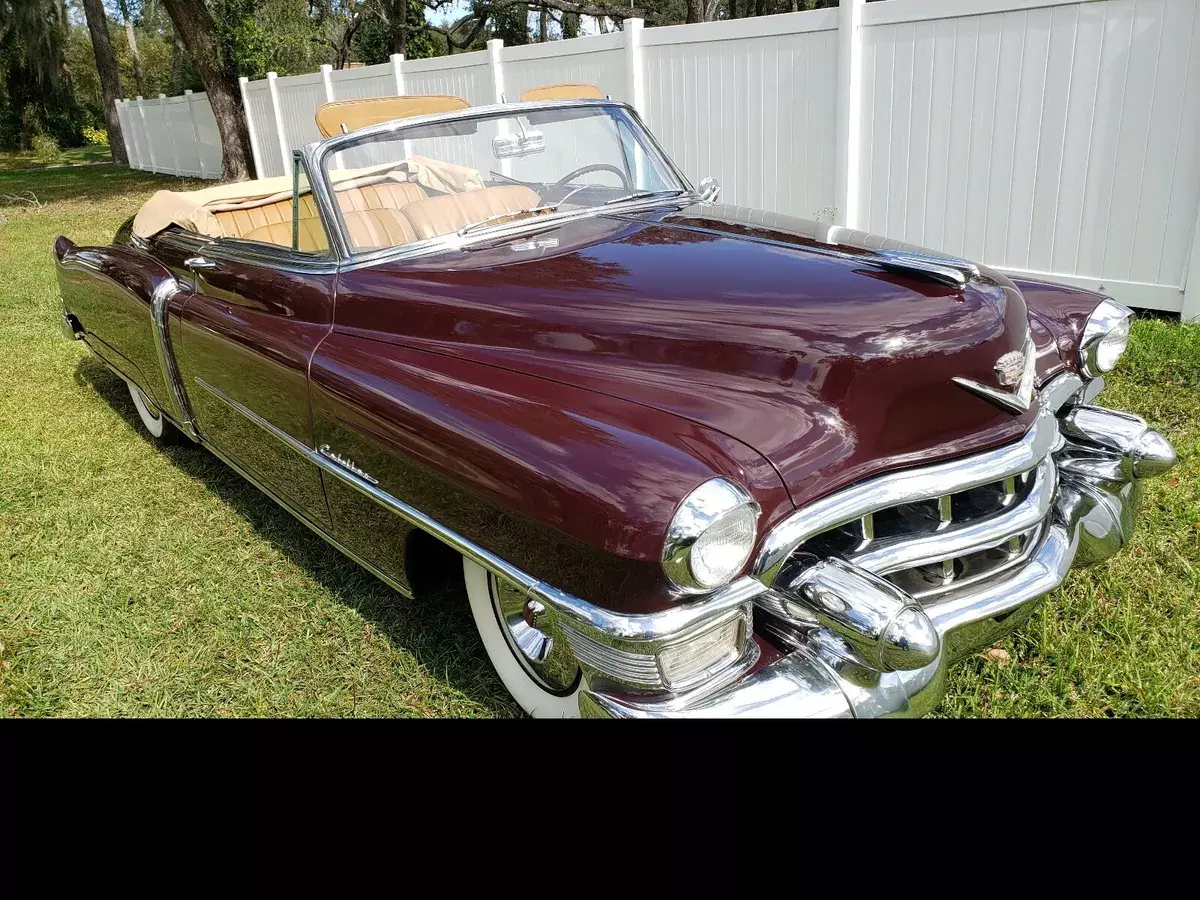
710 190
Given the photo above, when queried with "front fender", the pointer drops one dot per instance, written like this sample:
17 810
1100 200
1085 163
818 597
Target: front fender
1058 313
574 487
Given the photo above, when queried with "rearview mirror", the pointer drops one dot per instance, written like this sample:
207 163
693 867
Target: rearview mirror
710 189
506 146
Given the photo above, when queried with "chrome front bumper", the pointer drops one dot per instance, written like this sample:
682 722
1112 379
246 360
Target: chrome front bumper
1098 462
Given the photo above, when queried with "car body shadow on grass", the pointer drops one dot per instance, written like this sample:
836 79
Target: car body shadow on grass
435 627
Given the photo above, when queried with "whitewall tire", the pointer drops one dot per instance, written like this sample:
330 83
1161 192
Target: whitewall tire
541 688
152 420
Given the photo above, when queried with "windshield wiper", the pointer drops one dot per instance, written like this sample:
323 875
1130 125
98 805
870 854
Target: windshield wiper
501 218
645 195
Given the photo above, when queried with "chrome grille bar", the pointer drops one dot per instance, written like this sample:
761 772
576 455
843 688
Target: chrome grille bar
943 545
910 486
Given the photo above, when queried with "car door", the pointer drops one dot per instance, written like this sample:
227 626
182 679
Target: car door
256 316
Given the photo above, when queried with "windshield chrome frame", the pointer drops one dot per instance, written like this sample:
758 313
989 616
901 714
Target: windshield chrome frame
315 155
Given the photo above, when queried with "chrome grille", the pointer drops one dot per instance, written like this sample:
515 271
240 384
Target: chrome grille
950 525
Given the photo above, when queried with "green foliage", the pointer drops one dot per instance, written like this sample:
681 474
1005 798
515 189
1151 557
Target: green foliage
45 148
35 97
374 40
240 41
510 24
95 137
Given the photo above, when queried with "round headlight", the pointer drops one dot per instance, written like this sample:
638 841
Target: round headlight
1104 338
710 536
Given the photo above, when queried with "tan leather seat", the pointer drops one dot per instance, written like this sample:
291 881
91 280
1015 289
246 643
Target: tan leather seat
351 115
240 222
374 229
563 92
311 234
445 215
384 195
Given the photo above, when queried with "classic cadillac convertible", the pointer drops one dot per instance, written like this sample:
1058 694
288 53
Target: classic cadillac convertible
687 459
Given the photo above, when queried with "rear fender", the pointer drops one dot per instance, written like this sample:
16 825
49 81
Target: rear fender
109 297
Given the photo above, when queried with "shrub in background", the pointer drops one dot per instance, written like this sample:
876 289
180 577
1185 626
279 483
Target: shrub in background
45 148
95 137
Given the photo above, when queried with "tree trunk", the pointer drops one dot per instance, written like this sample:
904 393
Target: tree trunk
110 81
194 25
733 9
399 23
695 11
544 24
133 49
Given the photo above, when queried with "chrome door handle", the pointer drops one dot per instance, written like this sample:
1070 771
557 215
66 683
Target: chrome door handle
199 262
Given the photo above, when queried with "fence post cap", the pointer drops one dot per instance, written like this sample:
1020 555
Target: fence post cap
271 76
242 79
139 96
326 67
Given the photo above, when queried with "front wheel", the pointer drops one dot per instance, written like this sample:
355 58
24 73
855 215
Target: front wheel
538 670
152 419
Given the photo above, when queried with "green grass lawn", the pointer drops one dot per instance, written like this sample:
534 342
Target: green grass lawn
135 581
72 156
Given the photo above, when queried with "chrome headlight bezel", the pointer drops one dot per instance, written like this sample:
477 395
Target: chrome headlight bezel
712 504
1106 319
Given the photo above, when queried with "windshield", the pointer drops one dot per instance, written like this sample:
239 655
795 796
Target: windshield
470 175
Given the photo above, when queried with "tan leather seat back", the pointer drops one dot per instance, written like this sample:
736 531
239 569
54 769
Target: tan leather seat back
374 229
563 92
384 195
355 114
239 222
311 235
445 215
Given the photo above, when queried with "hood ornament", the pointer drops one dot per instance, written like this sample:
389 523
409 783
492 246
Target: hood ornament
1014 369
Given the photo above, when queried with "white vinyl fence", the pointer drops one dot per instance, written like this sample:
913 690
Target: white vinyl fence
1055 137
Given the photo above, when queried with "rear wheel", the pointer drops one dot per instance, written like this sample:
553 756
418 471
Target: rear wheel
536 668
152 419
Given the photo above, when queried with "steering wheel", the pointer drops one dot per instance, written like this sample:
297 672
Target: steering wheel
595 167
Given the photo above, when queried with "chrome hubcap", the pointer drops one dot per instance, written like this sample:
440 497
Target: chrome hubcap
534 638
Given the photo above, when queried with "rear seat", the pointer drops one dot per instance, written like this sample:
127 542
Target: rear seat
240 222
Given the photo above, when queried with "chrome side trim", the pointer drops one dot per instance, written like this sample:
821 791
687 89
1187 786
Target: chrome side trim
581 614
160 304
310 524
903 487
278 433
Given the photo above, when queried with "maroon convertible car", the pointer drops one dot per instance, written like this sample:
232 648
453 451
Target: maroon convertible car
688 459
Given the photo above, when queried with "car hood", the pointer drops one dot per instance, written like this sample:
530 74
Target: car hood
830 366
